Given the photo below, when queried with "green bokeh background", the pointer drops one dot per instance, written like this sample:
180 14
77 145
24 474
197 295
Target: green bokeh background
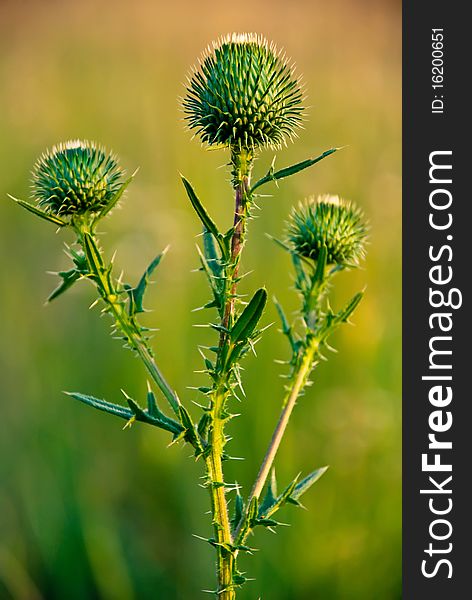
90 511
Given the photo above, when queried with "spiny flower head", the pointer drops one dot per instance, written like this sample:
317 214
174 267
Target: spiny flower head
243 94
328 221
76 177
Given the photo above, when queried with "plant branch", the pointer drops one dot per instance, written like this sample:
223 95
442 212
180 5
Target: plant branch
301 375
124 322
242 163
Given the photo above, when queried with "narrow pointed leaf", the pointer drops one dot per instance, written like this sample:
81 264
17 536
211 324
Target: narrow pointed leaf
92 253
135 410
281 500
344 315
38 212
203 215
153 409
109 407
249 318
210 253
253 511
238 509
213 281
306 483
204 425
68 280
271 494
158 418
191 433
287 171
137 293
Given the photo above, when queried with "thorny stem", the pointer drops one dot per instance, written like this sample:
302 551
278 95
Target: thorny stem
304 368
221 524
242 164
124 322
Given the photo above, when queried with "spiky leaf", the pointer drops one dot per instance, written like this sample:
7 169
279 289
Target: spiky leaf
247 321
287 171
191 433
38 212
68 280
305 484
137 294
280 500
271 494
135 411
204 217
238 510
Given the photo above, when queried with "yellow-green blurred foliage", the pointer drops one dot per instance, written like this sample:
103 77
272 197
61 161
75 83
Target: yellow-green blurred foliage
90 511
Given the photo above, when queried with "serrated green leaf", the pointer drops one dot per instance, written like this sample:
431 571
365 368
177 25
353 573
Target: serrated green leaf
238 510
214 282
137 293
344 315
203 215
137 411
210 253
288 171
281 500
68 280
266 522
191 433
94 258
204 425
163 422
79 259
306 483
153 408
38 212
271 494
286 327
109 407
332 321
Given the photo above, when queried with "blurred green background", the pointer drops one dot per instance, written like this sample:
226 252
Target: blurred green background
90 511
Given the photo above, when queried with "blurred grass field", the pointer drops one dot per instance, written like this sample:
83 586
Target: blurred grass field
90 511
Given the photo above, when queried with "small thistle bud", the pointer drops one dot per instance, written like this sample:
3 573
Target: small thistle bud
243 94
331 222
76 177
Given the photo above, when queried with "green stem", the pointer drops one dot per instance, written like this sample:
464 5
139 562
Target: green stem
300 378
124 322
221 524
242 164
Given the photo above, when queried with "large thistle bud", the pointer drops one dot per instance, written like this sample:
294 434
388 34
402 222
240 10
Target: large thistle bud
243 94
328 221
76 177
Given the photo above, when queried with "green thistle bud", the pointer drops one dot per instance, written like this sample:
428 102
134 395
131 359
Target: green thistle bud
331 222
76 177
243 94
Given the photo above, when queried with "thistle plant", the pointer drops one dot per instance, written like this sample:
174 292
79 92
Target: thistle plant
243 97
